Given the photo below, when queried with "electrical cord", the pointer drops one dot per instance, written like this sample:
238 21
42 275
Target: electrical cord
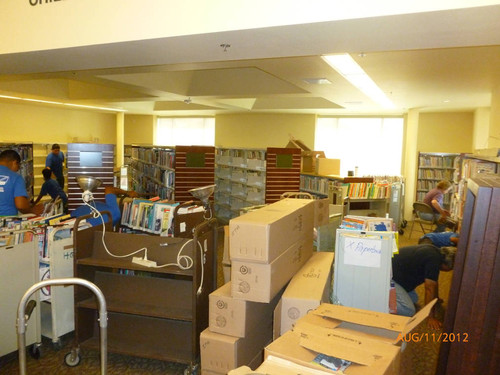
188 261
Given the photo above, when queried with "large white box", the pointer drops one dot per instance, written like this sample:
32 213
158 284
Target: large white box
308 288
237 317
260 282
264 234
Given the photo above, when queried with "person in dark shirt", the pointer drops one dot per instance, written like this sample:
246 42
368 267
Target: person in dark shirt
55 162
416 265
52 188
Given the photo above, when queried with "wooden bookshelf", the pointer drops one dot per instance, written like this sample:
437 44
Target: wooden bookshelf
282 172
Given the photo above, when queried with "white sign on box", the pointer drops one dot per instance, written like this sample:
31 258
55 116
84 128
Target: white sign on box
362 251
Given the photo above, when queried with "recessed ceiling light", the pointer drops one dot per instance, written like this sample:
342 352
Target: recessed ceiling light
345 65
446 100
317 81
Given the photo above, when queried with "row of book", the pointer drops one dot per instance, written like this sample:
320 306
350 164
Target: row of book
368 190
152 216
160 176
162 157
436 174
366 223
436 161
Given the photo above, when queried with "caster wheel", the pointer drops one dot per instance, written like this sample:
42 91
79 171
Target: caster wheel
401 231
404 223
35 351
72 360
57 345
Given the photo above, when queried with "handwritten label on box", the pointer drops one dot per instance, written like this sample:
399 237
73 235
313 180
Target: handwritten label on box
366 252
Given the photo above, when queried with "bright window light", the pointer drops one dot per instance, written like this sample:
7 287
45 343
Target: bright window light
345 65
374 145
185 131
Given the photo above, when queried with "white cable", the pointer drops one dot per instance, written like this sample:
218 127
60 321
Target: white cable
95 214
188 260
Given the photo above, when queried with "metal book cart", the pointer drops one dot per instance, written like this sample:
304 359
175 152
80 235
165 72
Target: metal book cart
18 271
27 306
167 306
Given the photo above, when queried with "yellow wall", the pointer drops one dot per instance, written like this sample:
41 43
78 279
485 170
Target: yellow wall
445 132
494 129
263 130
43 124
139 129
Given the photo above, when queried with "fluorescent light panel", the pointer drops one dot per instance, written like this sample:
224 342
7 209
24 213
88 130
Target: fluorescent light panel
345 65
61 103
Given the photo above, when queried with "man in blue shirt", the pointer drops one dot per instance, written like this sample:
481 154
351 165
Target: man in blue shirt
13 195
52 188
55 162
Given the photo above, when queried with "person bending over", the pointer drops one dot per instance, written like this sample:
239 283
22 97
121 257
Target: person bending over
52 188
416 265
440 239
110 205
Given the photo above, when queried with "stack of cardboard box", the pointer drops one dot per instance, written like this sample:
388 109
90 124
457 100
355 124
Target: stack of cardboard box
369 340
267 248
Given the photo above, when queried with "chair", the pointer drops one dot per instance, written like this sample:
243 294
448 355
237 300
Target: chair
420 208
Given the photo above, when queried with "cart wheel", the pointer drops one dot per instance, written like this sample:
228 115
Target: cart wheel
404 223
191 369
72 359
35 351
57 345
401 231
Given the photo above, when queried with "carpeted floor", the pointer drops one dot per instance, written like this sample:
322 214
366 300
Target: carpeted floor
418 358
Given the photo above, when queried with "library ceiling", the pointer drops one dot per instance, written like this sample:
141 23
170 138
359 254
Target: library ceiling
448 60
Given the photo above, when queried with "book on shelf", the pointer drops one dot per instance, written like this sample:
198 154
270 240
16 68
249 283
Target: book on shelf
153 216
367 223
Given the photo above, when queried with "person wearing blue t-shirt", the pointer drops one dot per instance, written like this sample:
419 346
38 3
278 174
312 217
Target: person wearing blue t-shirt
52 188
111 205
55 162
440 239
13 195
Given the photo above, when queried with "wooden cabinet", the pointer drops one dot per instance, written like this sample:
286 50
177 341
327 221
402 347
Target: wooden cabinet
432 168
282 172
469 166
155 313
472 323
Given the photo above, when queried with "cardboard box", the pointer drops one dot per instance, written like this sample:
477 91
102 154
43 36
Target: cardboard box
221 353
308 288
237 317
309 161
254 363
277 366
327 167
264 234
368 339
260 282
321 212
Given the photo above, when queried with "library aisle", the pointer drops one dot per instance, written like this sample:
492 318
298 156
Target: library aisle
418 358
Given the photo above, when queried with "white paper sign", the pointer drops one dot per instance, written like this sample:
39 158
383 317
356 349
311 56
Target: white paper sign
359 251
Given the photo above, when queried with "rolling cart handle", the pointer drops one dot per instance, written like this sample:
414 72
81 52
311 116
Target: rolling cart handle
22 317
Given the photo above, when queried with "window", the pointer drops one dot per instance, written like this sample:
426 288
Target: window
374 145
185 131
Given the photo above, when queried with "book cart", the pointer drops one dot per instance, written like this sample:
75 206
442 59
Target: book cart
18 271
155 313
